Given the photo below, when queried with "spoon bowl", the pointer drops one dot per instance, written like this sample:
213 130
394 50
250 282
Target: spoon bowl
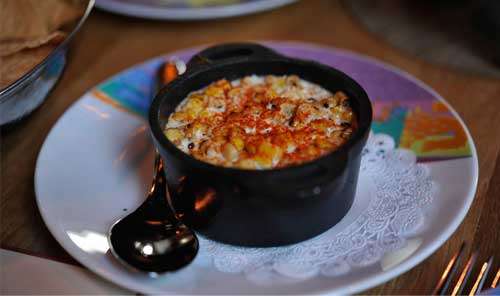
152 239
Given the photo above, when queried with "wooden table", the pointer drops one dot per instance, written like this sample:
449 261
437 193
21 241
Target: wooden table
110 43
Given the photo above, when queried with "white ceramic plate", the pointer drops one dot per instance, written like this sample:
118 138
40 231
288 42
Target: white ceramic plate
96 164
187 10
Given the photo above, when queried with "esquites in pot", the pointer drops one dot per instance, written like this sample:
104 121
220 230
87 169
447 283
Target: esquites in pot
261 122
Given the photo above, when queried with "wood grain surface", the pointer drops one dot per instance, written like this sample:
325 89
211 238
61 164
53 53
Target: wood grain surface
110 43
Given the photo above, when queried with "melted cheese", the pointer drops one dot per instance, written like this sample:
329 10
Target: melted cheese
261 122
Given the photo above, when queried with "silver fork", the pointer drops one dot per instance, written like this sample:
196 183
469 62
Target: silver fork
452 267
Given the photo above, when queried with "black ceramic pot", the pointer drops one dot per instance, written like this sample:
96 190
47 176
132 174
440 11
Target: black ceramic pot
259 207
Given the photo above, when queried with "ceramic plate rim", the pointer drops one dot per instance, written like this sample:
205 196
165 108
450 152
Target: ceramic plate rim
353 287
180 14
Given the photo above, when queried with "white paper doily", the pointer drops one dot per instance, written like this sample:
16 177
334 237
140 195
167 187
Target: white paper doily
398 190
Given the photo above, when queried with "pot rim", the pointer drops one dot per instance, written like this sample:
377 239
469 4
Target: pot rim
364 117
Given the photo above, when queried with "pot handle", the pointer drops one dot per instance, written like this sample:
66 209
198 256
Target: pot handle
230 52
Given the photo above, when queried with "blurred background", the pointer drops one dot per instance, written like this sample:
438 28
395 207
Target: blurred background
464 34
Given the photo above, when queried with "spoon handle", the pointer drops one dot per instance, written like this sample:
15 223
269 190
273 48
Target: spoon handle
158 193
156 206
158 174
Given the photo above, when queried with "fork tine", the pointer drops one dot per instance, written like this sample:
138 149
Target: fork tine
495 280
483 274
447 275
464 275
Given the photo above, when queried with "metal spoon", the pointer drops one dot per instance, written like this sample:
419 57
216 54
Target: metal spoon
152 239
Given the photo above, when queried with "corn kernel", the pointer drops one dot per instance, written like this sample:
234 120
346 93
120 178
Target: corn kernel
238 143
230 152
179 116
223 84
194 107
204 114
251 148
278 84
269 151
323 144
173 134
198 131
340 96
214 91
248 164
265 148
320 125
264 162
196 96
346 116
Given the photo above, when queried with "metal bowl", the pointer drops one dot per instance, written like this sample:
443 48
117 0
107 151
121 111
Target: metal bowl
24 95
